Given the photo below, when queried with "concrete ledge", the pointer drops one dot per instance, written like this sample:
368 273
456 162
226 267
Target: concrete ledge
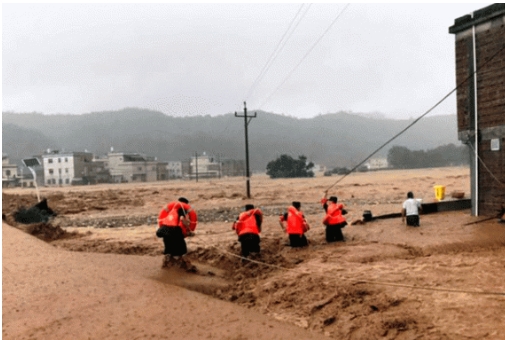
430 208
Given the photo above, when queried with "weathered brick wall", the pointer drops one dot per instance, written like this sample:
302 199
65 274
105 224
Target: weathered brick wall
491 179
464 69
491 109
491 80
490 77
490 41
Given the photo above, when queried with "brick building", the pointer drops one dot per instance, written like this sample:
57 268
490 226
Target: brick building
480 46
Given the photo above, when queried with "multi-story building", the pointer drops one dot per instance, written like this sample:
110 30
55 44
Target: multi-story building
480 74
204 166
174 169
101 171
162 173
377 163
9 173
232 167
67 168
135 167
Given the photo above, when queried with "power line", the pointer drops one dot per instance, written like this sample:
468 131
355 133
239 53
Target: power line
305 56
279 47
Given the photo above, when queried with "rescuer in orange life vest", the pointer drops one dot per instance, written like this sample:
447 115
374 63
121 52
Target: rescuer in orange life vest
248 227
334 219
296 225
176 221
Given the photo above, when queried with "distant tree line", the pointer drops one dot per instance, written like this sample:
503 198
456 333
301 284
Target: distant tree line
286 167
400 157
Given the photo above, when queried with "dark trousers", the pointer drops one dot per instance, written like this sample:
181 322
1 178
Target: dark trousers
334 232
296 240
173 239
250 243
413 220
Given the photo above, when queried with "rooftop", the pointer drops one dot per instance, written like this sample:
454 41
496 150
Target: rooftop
479 16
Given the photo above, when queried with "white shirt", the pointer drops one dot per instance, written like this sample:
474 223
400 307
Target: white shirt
411 206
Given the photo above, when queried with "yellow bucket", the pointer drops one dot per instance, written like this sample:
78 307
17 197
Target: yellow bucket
439 192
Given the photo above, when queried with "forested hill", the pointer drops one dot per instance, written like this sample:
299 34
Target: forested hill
338 139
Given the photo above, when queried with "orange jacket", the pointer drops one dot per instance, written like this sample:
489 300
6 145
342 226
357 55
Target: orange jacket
295 222
169 216
246 223
333 213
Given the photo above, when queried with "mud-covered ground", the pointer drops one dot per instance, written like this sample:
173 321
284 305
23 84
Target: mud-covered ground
443 280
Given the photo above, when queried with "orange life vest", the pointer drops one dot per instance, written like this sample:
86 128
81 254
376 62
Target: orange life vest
169 216
246 223
296 223
334 214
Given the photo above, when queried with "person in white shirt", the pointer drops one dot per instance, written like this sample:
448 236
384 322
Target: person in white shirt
411 209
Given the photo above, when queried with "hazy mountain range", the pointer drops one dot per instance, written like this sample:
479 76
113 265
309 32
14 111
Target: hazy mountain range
335 139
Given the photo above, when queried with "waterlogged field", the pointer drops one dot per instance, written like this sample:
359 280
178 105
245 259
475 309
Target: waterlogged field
443 280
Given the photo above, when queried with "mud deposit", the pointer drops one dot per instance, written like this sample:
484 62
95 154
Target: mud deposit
443 280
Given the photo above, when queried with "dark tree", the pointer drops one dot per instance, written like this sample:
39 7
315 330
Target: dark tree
286 166
400 157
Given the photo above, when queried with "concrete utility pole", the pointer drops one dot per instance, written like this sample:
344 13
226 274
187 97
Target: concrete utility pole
246 122
196 165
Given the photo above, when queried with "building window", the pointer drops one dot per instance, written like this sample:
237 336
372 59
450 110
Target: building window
60 181
66 160
49 160
59 160
48 181
67 181
66 170
51 171
8 172
59 171
54 181
140 168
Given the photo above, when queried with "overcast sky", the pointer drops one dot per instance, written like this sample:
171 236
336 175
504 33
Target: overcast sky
194 59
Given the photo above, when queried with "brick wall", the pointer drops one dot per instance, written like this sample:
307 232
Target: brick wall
490 39
490 42
464 94
491 189
491 81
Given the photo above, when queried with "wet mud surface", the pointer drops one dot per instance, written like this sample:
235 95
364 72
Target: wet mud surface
387 281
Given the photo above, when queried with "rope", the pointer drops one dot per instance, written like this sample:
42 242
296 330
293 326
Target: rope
355 281
358 281
419 118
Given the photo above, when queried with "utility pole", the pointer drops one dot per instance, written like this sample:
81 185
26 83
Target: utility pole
196 165
246 122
